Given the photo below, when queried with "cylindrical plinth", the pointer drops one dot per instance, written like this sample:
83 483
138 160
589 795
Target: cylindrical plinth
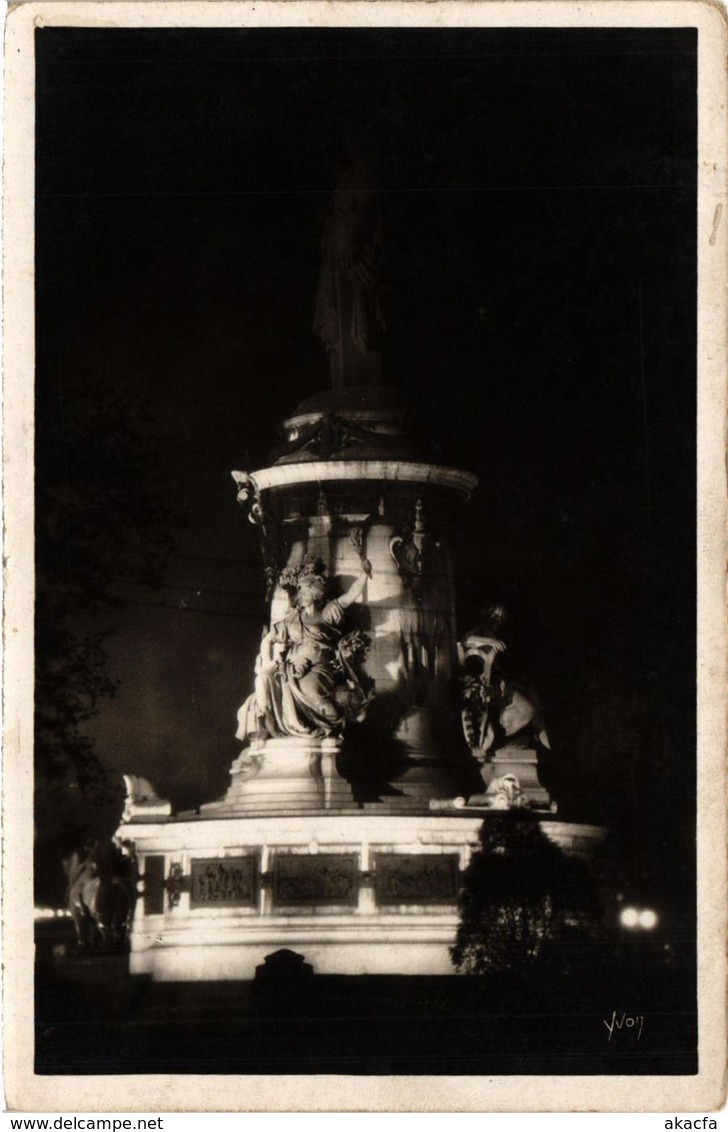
395 514
293 775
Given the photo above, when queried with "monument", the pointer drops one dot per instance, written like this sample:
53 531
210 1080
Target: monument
375 738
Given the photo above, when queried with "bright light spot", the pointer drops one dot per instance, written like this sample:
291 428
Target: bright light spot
644 918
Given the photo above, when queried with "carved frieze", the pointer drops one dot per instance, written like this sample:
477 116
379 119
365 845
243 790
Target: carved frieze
327 878
401 878
223 881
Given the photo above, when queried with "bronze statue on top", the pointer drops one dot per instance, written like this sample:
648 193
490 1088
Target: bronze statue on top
348 312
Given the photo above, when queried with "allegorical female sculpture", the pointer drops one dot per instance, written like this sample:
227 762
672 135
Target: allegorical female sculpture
307 680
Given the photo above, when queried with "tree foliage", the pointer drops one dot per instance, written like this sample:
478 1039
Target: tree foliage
101 523
522 896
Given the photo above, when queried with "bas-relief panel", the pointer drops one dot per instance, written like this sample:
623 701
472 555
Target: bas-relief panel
327 878
228 880
432 878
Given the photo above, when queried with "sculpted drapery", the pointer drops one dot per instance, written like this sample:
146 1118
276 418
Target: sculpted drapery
306 684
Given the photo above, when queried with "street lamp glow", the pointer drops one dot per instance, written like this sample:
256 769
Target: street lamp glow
644 919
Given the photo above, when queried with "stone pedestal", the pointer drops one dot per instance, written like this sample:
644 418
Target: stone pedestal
395 513
521 763
524 765
286 775
338 849
373 894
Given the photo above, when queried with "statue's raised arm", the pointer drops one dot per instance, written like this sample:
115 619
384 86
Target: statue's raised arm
357 588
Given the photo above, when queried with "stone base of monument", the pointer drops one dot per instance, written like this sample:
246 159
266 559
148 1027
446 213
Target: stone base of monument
286 775
378 895
299 775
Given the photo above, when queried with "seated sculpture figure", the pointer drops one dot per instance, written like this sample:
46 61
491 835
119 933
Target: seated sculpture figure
306 683
102 892
497 710
502 722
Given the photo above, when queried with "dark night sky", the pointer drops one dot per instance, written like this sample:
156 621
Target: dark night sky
540 201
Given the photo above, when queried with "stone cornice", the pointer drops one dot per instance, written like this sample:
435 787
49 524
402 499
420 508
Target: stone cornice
391 471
